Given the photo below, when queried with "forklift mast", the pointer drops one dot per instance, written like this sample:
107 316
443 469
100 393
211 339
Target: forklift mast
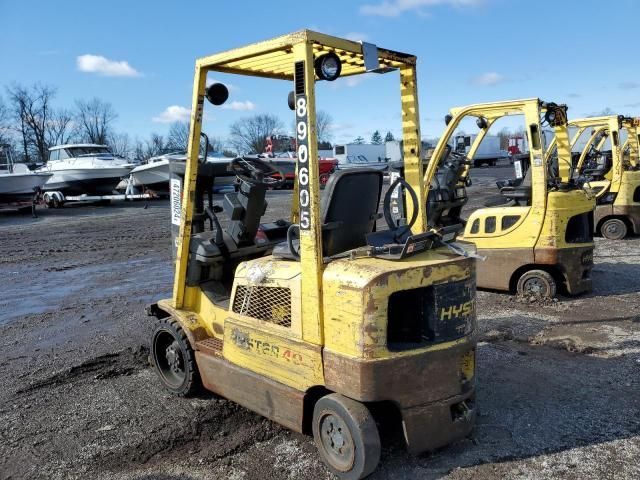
291 57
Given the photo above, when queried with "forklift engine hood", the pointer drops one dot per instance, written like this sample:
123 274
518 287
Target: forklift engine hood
404 332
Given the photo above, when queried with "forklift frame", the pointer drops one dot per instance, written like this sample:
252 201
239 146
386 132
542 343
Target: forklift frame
616 197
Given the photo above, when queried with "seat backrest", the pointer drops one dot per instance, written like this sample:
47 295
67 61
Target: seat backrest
350 209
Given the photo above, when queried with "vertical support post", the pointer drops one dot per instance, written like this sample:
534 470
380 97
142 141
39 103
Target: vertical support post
633 143
616 154
308 194
538 163
563 145
412 143
189 187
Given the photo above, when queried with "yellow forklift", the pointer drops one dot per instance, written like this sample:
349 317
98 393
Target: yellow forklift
613 175
318 321
537 234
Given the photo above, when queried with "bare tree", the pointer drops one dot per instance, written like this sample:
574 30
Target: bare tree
94 119
5 124
138 150
60 127
154 146
178 136
32 113
249 135
120 144
324 126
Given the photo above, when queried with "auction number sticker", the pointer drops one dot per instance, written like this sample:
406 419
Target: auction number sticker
302 135
176 201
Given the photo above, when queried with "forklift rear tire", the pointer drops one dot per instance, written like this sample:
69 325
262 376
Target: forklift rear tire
174 359
614 229
537 283
346 436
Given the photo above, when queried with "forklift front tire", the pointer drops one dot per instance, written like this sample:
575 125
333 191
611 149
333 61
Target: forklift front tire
174 359
614 229
536 283
346 436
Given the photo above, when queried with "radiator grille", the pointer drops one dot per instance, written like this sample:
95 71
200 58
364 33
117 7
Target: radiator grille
271 304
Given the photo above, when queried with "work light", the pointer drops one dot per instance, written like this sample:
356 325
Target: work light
482 123
328 66
217 93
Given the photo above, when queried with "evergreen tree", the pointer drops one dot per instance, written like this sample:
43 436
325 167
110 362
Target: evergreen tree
359 140
376 138
389 137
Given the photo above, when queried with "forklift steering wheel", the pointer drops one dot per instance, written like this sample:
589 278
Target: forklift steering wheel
400 230
256 172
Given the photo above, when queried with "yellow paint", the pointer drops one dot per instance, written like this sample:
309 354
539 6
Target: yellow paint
468 364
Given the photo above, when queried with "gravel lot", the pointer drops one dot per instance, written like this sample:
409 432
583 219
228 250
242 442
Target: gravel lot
558 384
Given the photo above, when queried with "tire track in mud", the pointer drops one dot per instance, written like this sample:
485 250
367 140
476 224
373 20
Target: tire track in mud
110 365
219 429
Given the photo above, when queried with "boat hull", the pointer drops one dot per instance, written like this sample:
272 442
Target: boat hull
16 187
92 181
152 176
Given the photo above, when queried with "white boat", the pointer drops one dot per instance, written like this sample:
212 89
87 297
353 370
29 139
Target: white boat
155 174
84 169
17 182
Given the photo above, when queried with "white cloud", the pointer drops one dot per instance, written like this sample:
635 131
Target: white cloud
173 113
240 106
103 66
394 8
488 79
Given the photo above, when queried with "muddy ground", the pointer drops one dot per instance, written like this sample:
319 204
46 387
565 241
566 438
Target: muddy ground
558 384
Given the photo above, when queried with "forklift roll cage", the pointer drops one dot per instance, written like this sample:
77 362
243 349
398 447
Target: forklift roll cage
531 109
602 128
279 58
617 207
532 235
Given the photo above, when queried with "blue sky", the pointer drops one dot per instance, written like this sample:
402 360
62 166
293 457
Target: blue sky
139 55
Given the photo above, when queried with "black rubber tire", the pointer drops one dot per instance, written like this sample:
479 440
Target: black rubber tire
184 379
613 229
537 283
361 440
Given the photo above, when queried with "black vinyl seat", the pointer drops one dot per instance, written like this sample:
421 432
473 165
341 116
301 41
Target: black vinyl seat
349 211
512 192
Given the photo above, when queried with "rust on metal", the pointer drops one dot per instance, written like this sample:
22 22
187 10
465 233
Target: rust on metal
269 398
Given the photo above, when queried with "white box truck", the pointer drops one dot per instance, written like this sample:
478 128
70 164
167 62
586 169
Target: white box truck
488 152
360 155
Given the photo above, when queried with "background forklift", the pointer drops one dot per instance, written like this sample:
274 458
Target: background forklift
315 323
612 173
538 233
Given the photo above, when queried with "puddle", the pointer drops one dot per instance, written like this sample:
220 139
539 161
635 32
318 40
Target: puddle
23 296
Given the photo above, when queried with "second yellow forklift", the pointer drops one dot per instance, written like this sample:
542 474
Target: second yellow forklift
537 235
